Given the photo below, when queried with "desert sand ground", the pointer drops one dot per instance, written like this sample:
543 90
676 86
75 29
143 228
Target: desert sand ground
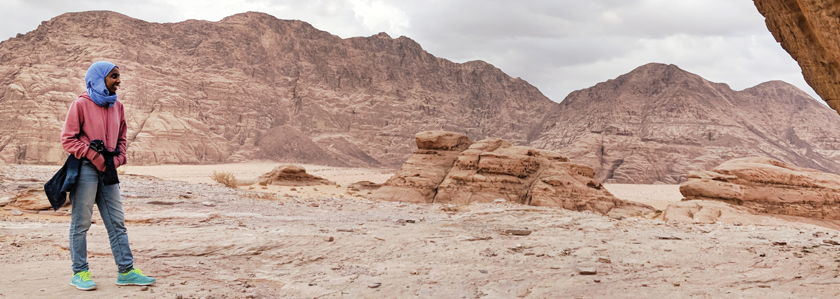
202 240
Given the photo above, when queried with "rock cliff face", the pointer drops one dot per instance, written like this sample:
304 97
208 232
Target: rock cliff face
768 186
252 87
444 170
810 31
658 123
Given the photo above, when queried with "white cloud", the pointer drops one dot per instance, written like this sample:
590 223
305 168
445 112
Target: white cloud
378 16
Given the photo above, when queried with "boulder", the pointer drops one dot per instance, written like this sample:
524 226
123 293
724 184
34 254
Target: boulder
769 186
499 171
418 179
291 175
574 187
442 140
493 169
31 198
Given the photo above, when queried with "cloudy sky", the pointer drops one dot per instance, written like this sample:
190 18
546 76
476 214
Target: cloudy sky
557 45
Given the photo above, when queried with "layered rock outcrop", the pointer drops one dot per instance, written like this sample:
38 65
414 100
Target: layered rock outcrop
810 31
418 178
252 87
291 175
24 195
768 186
659 122
444 170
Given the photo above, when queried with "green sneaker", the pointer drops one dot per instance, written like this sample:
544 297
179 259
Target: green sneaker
81 280
134 277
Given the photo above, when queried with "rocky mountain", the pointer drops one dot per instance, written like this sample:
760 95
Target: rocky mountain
659 122
253 87
810 31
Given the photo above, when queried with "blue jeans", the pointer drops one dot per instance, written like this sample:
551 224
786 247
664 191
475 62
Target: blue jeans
90 190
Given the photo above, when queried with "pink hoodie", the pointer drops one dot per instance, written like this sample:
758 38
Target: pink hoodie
87 121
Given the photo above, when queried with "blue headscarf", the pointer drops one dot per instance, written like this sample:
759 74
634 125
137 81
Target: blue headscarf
95 82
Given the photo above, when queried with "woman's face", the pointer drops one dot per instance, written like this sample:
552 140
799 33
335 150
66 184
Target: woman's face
112 81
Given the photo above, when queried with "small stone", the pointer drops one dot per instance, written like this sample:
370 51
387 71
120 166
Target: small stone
780 243
409 221
797 276
346 230
330 239
587 271
831 242
604 260
16 212
644 285
178 296
172 284
292 189
482 271
144 288
251 296
314 205
764 286
374 285
499 200
517 232
597 280
413 272
208 204
184 282
676 284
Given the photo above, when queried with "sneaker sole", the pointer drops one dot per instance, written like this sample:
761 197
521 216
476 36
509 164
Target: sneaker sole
133 284
88 289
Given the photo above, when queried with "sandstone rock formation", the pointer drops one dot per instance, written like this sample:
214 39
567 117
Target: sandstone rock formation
252 87
444 171
810 31
768 186
659 122
23 195
291 175
422 173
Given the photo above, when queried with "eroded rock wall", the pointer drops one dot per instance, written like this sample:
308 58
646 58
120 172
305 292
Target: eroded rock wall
810 31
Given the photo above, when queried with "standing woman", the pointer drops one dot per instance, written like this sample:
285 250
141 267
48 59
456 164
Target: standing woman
94 132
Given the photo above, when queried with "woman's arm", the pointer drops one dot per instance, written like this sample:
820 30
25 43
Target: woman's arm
121 141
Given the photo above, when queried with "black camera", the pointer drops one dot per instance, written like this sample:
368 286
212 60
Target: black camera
98 146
